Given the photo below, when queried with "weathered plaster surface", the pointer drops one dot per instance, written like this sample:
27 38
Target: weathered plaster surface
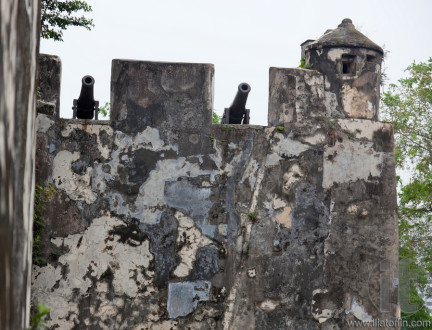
43 123
356 103
345 162
183 224
76 186
359 311
336 53
97 266
183 297
191 239
95 130
364 128
284 147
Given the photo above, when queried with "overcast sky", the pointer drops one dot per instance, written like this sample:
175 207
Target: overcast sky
241 38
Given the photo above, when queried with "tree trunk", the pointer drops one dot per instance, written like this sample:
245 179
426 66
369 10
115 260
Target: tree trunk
19 40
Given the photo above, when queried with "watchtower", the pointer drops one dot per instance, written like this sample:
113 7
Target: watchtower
351 64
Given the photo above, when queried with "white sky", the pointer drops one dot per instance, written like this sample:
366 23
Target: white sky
241 38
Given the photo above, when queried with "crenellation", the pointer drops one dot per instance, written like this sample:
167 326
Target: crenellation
164 220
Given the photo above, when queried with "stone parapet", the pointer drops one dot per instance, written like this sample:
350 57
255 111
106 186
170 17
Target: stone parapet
259 228
162 220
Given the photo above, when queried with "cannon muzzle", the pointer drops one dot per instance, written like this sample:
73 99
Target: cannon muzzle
85 107
237 112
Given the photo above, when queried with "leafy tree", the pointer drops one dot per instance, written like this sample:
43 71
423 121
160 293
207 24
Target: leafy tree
216 119
57 15
105 110
408 105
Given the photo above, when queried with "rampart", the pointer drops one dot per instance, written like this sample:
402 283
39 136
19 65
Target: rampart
164 221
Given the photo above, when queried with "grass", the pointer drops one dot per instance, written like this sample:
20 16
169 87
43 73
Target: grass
253 215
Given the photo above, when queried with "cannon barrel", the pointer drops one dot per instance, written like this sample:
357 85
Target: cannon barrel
237 112
85 105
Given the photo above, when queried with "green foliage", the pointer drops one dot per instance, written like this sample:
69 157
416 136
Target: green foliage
303 64
57 16
105 110
421 315
418 278
37 320
408 106
252 215
280 128
41 197
216 119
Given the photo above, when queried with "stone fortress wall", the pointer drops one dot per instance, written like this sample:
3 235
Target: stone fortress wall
165 221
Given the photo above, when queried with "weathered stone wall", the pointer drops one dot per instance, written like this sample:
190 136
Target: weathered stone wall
164 221
18 49
49 83
295 96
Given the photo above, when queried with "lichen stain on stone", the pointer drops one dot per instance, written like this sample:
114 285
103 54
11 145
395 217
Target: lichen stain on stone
194 138
178 79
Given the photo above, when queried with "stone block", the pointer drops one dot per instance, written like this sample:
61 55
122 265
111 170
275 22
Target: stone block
294 95
49 80
176 96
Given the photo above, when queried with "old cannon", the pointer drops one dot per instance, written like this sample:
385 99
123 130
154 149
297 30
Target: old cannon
237 112
85 107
